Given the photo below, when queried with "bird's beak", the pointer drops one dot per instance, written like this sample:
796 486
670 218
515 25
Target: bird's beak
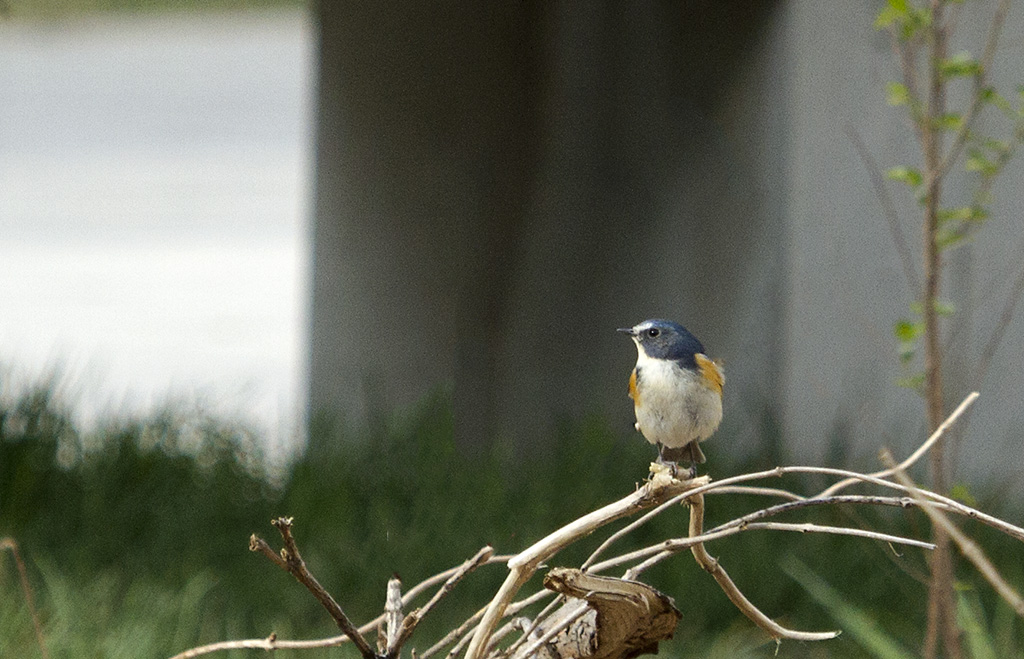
627 330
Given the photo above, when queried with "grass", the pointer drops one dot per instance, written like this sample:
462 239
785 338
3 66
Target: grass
135 537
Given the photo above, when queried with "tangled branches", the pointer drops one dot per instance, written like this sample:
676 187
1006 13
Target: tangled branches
595 615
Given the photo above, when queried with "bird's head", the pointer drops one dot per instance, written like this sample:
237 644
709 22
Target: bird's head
664 339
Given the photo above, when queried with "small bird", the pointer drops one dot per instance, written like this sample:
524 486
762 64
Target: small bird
676 391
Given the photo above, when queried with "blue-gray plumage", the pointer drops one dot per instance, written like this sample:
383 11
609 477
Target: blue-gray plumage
676 391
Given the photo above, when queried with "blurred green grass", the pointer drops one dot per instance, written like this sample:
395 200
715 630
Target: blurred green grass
136 536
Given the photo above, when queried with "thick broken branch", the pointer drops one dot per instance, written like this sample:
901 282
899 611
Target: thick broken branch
525 564
604 617
392 617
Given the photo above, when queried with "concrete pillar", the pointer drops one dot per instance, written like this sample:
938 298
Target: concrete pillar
500 187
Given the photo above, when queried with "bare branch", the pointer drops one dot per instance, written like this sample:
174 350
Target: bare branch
443 576
899 240
712 566
481 632
916 455
761 491
968 547
996 338
453 635
535 623
269 643
549 634
947 504
468 625
291 560
483 557
392 617
955 506
257 543
661 487
667 548
408 625
26 588
991 41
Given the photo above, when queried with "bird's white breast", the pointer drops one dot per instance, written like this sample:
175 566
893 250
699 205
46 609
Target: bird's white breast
674 406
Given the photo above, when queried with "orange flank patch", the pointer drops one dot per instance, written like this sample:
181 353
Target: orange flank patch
711 371
632 385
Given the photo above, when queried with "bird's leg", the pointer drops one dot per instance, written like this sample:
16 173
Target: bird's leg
696 456
673 465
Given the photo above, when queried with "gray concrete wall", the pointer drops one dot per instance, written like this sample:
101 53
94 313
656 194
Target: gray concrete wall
846 287
499 188
423 148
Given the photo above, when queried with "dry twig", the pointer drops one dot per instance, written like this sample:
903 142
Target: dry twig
410 622
291 561
968 547
557 631
899 239
916 455
26 589
712 567
392 616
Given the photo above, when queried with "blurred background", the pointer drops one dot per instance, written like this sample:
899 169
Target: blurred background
264 258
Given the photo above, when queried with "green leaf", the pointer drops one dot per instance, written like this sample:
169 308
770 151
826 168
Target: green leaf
886 18
963 214
908 175
977 161
962 493
992 97
959 66
904 16
999 147
896 93
949 121
894 11
915 382
918 19
908 331
946 238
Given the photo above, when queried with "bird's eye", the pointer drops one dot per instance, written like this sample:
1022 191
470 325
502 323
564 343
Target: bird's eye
653 332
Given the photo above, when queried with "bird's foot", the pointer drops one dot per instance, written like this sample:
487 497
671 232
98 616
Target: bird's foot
673 469
660 468
689 455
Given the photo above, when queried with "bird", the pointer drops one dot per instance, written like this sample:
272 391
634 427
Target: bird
676 390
